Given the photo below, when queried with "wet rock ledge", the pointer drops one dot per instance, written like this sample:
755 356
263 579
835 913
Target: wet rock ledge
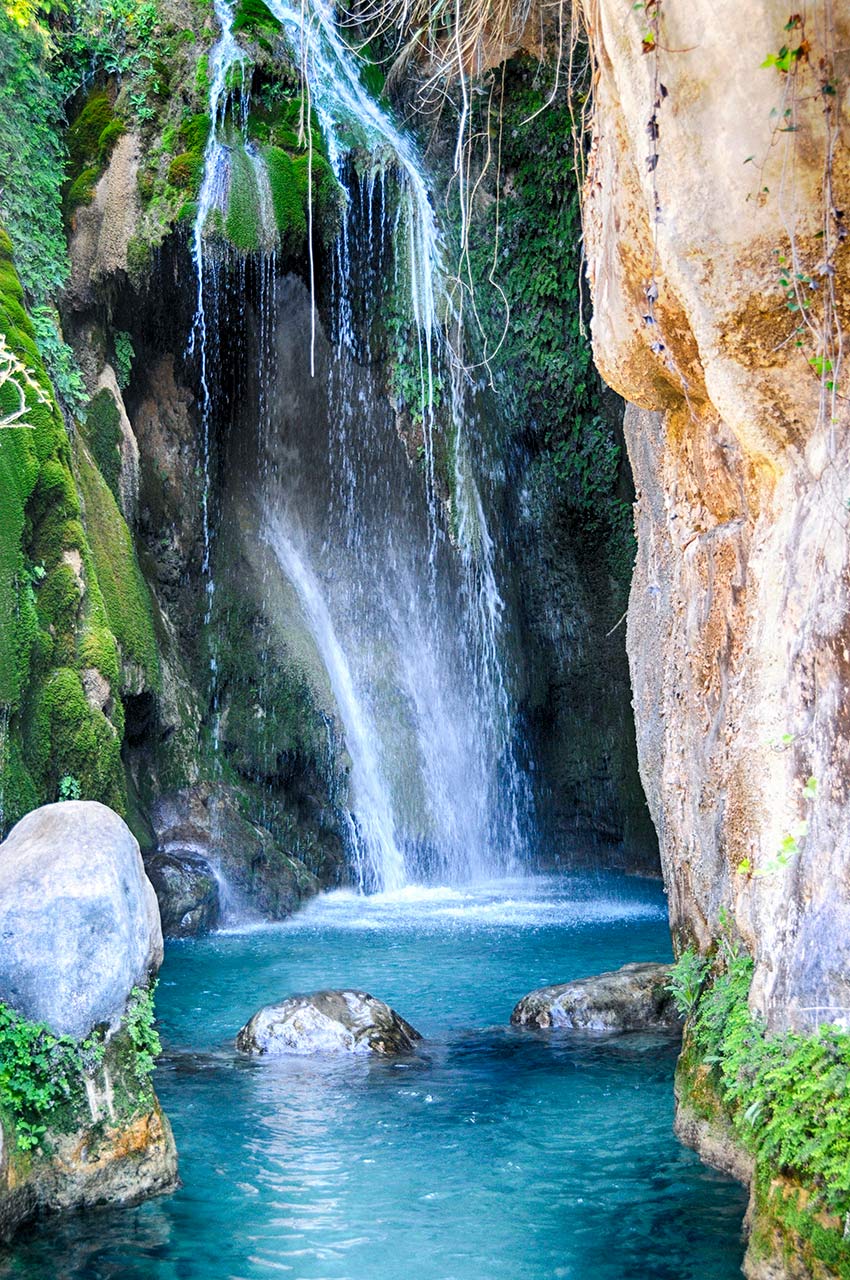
80 1123
634 998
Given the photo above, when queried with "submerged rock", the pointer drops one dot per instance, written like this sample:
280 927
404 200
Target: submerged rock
328 1022
634 998
187 892
79 920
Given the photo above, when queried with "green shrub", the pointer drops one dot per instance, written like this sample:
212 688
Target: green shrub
125 354
788 1096
42 1076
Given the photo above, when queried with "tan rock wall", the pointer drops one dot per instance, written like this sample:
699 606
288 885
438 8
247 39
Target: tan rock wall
738 630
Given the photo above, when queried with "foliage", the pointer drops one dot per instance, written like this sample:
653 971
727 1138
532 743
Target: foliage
524 269
788 1095
43 1075
686 981
40 1073
69 788
32 155
140 1025
59 358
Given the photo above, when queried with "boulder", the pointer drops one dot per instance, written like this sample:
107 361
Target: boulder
80 930
187 892
79 919
328 1022
634 998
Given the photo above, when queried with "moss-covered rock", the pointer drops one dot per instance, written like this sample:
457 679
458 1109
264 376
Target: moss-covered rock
103 433
125 593
61 715
90 139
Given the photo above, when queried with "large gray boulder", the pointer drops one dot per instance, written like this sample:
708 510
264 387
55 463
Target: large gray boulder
79 921
634 998
328 1022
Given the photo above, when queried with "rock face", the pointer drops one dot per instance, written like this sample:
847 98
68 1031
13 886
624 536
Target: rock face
186 890
78 917
328 1022
710 230
634 998
204 823
118 1165
103 229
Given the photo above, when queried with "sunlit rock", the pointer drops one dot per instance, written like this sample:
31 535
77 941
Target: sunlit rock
328 1022
634 998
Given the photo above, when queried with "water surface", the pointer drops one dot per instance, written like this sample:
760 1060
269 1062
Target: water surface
496 1154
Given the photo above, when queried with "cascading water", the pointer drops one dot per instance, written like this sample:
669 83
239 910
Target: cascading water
226 54
408 621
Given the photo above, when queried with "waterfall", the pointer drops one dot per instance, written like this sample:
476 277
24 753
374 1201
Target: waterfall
226 54
396 581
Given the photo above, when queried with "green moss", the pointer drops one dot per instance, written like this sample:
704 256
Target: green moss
64 735
86 130
108 138
202 76
254 16
242 224
186 171
24 453
287 199
58 605
139 258
103 434
51 630
125 593
91 137
81 190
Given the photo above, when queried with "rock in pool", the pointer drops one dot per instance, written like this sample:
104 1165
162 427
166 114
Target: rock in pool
328 1022
634 998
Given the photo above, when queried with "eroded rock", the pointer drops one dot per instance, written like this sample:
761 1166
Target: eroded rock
634 998
328 1022
78 917
187 892
206 820
738 632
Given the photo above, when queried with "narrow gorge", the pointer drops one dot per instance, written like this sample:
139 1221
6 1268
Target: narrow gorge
423 644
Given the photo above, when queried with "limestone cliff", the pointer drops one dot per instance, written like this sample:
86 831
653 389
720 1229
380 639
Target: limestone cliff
714 206
715 236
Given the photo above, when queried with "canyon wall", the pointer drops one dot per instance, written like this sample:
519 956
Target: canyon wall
714 207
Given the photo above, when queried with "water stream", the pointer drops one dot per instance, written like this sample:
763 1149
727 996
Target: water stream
397 581
496 1154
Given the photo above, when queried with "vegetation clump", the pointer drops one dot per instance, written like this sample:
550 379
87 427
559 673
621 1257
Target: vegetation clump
787 1096
42 1076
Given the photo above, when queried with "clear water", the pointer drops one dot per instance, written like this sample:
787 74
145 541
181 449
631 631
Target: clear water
495 1155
